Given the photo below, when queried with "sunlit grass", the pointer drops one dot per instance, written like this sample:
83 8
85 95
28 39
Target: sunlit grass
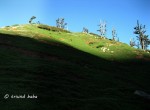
86 42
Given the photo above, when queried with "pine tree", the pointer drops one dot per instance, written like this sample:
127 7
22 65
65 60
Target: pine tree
143 39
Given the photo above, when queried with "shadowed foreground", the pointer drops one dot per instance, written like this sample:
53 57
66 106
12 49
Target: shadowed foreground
63 78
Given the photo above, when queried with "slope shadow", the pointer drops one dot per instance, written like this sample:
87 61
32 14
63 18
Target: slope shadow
48 48
65 78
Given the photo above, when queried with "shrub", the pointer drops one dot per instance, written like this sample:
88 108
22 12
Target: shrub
95 34
52 28
99 46
15 25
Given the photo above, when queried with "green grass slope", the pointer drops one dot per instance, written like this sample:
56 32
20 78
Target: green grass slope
104 48
69 71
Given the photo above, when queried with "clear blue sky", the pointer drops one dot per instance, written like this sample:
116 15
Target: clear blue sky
120 14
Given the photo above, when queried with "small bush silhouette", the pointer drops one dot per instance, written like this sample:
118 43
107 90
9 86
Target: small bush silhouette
51 28
15 25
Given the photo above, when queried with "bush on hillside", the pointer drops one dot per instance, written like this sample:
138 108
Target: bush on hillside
15 25
99 46
95 34
52 28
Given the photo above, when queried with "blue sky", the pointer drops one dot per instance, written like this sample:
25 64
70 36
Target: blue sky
120 14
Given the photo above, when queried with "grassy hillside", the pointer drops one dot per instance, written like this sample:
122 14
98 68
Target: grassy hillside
70 71
108 49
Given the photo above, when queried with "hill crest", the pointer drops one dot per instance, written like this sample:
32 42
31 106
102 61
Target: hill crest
90 43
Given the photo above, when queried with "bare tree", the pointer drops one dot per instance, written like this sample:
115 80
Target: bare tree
38 22
114 34
85 30
31 19
118 39
60 23
132 42
102 28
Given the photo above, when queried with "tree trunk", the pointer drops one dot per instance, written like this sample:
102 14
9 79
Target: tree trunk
143 46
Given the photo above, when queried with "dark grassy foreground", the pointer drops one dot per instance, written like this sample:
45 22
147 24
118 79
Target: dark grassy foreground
64 78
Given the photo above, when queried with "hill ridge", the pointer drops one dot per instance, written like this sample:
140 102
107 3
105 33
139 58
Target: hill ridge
104 48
